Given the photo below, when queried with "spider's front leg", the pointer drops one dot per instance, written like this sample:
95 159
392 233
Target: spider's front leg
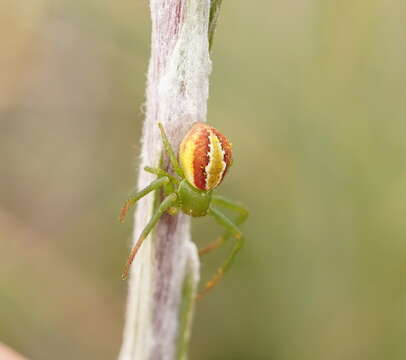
231 230
165 205
169 204
135 196
231 205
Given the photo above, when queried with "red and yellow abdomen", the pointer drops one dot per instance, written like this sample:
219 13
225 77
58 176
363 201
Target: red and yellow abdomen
205 156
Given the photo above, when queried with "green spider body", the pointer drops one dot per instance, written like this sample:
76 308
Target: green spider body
192 201
205 156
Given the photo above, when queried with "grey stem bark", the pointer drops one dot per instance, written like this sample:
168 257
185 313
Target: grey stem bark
165 272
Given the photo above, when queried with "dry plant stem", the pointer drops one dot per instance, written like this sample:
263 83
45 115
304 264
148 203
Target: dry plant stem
165 272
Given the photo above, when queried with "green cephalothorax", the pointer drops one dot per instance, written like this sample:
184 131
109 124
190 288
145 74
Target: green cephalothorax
192 201
205 156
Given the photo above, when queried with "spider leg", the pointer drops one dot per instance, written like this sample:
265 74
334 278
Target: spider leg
231 205
161 173
170 152
231 228
134 197
169 201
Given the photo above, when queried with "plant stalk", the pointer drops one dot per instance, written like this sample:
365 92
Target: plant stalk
165 272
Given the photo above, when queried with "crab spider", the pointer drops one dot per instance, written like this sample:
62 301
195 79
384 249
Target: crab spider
205 156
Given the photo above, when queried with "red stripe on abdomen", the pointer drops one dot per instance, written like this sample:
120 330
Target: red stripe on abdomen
201 159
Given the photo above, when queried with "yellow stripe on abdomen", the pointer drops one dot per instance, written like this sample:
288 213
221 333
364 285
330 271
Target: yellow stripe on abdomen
186 157
216 166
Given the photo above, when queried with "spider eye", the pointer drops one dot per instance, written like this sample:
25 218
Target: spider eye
205 155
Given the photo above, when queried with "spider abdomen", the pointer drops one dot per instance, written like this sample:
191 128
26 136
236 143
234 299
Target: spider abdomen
205 156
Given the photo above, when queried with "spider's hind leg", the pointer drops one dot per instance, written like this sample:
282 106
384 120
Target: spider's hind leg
160 173
171 154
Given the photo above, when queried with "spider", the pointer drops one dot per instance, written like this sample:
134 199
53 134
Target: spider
205 156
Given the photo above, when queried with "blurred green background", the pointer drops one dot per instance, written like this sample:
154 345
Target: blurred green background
312 95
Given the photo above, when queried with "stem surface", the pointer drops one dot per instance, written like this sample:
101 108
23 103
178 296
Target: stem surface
165 272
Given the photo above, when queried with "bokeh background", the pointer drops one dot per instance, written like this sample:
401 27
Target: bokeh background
312 95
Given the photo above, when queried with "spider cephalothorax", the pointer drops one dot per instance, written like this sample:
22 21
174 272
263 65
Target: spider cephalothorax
205 156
